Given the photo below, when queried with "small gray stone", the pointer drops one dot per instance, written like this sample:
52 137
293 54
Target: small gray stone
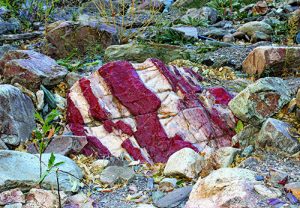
113 174
175 197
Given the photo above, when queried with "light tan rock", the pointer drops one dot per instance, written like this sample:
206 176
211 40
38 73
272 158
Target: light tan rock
272 60
37 198
226 187
184 162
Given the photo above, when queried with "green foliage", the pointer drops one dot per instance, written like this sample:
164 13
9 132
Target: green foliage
197 22
51 166
48 123
281 30
223 5
239 127
75 62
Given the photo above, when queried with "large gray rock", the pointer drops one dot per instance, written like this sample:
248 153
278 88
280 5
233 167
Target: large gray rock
12 25
31 69
260 100
22 170
204 13
275 133
16 115
250 28
226 187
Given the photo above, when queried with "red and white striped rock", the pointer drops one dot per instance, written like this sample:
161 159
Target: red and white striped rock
148 111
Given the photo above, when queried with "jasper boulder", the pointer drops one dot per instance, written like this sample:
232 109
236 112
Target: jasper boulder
148 111
261 100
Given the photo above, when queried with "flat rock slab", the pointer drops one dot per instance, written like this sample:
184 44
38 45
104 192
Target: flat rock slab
148 111
19 169
16 115
63 145
175 197
31 69
272 60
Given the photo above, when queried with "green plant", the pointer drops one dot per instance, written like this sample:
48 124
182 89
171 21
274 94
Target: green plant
223 5
48 127
197 22
127 16
52 166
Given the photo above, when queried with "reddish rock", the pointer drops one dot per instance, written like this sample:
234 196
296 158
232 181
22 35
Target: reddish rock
151 5
11 197
272 60
43 198
63 145
66 36
79 200
260 7
31 69
148 111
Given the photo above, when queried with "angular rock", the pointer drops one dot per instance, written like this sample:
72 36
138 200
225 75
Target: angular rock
260 100
16 116
11 176
141 52
174 198
268 192
66 36
114 174
43 198
189 166
12 25
148 111
11 197
272 60
294 188
275 133
246 137
31 69
251 27
205 13
64 145
222 158
5 48
260 7
226 187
